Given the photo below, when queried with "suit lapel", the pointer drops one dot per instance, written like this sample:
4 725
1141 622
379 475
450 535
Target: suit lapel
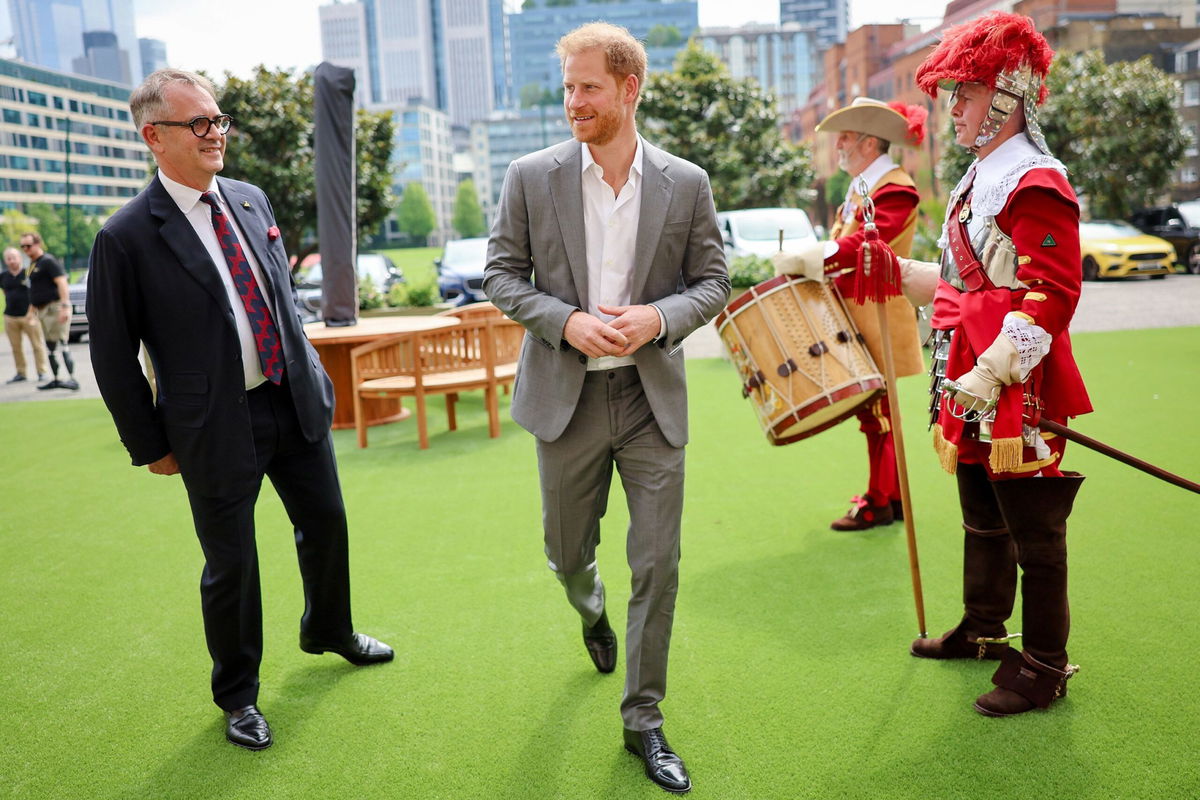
566 203
657 188
181 237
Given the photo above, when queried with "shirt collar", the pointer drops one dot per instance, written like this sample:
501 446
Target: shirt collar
996 164
871 175
185 196
588 161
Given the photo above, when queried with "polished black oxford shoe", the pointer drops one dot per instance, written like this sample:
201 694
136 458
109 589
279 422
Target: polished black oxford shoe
248 728
359 650
601 643
663 766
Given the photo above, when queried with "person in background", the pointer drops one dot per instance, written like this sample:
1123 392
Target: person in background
20 320
866 129
51 297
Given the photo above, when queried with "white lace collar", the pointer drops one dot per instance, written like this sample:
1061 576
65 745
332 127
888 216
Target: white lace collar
996 175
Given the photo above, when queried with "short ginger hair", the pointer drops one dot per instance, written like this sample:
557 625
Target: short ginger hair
623 54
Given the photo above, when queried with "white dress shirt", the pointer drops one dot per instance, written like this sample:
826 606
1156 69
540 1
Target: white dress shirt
610 225
199 214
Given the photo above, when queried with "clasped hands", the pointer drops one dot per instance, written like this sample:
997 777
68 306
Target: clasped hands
632 327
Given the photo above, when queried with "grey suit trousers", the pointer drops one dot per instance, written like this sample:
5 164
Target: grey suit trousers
613 424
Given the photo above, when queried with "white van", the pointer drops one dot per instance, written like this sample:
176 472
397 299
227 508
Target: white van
756 230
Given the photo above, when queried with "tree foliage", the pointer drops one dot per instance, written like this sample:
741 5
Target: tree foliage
468 216
1114 126
415 215
728 127
271 146
663 36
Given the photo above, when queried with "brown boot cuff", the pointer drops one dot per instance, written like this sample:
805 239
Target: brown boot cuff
1040 684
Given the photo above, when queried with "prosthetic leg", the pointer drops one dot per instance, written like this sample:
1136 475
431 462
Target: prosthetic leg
1036 511
989 576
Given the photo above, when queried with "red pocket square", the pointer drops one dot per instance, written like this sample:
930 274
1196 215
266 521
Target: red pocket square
272 233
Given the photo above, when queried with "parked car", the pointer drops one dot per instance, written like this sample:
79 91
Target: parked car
376 266
1179 224
1116 249
79 320
460 271
756 230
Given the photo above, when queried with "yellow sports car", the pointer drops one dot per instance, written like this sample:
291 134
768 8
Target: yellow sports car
1114 249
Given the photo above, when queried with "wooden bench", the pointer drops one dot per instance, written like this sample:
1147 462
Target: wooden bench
479 354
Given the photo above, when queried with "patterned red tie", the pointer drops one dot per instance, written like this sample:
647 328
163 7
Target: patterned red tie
266 337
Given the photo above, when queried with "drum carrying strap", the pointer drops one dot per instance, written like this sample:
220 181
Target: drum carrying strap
973 275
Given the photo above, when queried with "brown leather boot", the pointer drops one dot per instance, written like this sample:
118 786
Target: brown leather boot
1022 684
989 576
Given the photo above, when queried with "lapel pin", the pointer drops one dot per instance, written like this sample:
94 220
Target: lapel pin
245 204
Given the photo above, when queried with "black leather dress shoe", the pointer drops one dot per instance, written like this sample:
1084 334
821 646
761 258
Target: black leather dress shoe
663 766
601 643
359 650
248 728
54 383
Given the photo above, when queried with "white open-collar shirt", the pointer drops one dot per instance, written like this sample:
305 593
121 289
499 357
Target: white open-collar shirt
199 214
610 226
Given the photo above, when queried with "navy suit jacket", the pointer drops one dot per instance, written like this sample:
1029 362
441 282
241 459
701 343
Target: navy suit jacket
151 280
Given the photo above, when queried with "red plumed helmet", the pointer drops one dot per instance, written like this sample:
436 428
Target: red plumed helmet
980 50
915 116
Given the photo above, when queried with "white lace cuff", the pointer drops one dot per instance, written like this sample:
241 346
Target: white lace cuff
1032 341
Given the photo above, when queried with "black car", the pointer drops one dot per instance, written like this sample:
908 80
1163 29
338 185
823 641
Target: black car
460 271
375 266
1179 224
79 320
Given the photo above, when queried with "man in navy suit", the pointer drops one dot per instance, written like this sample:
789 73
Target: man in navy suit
194 267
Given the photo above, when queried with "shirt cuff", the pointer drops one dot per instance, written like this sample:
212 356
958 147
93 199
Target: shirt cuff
662 325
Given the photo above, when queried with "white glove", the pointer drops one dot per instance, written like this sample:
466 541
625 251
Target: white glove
807 260
997 366
919 280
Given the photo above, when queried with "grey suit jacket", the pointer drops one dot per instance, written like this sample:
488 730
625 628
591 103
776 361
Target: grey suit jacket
537 274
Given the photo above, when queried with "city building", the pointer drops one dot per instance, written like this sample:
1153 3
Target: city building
664 25
505 137
87 37
435 52
782 58
66 140
423 151
1186 69
153 53
831 18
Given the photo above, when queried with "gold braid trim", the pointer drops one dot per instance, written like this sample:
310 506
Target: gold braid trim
885 424
1006 454
947 451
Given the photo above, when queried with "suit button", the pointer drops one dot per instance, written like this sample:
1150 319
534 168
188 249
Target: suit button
583 359
241 399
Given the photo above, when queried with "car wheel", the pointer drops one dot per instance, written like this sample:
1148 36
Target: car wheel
1091 270
1193 259
1157 277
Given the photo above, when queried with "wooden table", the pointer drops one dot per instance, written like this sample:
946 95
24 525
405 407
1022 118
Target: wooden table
334 345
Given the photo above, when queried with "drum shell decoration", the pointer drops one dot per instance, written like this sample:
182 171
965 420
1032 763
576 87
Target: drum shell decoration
801 360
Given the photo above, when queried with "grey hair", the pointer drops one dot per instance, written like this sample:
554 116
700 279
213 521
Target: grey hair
8 250
147 101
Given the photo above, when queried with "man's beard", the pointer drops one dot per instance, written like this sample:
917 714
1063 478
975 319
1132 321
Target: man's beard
605 127
843 161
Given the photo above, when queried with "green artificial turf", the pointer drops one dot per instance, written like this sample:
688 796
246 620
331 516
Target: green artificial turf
790 673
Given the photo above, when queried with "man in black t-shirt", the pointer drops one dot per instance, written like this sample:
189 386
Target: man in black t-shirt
19 319
49 295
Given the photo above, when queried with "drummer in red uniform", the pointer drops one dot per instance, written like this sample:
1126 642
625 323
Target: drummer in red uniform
865 130
1009 283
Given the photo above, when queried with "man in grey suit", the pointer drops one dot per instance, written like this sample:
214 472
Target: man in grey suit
607 250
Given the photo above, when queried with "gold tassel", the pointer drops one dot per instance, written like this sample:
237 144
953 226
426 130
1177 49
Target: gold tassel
1006 454
947 452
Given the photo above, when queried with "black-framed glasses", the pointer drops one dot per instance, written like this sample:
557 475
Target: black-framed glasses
200 125
26 245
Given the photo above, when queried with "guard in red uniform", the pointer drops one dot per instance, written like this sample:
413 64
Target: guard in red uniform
1009 283
865 131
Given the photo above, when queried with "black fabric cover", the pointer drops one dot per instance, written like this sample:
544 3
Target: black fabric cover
333 143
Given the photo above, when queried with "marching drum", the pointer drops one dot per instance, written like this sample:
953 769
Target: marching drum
801 360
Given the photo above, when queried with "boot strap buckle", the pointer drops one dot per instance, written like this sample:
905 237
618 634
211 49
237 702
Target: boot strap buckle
984 641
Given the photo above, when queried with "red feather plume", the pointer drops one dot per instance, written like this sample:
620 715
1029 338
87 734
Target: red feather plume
978 51
915 117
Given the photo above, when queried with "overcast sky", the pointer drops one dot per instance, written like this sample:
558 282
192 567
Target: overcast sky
236 35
